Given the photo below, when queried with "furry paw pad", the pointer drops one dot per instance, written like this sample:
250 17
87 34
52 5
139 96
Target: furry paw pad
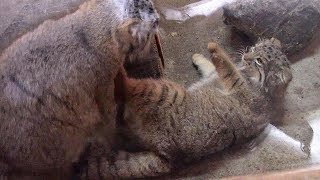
198 59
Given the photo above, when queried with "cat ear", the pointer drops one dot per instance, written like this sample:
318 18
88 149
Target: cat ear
276 42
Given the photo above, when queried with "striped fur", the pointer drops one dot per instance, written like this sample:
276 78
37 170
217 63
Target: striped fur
228 73
180 125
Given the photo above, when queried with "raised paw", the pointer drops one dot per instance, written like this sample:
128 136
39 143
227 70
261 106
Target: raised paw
218 54
124 36
213 47
204 65
198 59
216 58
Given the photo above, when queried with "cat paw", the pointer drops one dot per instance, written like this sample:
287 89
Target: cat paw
205 67
217 52
213 47
134 34
198 59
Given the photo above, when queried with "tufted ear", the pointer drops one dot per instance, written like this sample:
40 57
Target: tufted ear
276 42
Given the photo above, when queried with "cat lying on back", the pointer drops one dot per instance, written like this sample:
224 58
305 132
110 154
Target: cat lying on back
57 88
179 124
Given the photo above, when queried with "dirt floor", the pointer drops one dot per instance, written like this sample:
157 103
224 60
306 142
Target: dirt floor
294 142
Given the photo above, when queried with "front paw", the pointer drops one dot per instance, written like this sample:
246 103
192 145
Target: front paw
217 52
134 34
123 35
198 59
213 47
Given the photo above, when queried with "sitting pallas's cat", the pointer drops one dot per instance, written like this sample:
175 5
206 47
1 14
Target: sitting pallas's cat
179 124
57 86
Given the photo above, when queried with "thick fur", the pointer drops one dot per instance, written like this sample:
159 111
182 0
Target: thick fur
181 124
57 90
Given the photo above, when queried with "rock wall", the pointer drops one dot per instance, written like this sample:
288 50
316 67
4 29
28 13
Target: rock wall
293 22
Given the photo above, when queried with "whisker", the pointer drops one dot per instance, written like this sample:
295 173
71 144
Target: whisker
241 50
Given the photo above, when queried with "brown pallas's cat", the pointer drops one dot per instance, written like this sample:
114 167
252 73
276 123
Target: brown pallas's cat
181 124
57 89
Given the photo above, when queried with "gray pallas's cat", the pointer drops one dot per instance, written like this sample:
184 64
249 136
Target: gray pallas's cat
56 84
185 124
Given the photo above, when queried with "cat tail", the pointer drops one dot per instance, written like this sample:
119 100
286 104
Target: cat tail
228 74
125 166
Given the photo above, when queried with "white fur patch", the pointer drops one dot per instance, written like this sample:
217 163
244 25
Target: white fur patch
205 67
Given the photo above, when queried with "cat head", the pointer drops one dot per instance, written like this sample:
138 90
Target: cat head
267 67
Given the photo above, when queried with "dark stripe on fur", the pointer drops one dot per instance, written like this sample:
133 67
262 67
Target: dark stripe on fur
228 75
235 83
172 122
164 93
184 98
175 96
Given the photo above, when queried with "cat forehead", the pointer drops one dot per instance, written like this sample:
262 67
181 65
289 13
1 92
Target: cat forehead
268 50
267 46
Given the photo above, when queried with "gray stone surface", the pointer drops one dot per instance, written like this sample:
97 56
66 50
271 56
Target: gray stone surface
293 22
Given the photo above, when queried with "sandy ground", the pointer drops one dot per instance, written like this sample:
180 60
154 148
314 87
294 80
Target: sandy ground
293 143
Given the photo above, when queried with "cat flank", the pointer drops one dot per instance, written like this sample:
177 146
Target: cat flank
57 90
180 125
